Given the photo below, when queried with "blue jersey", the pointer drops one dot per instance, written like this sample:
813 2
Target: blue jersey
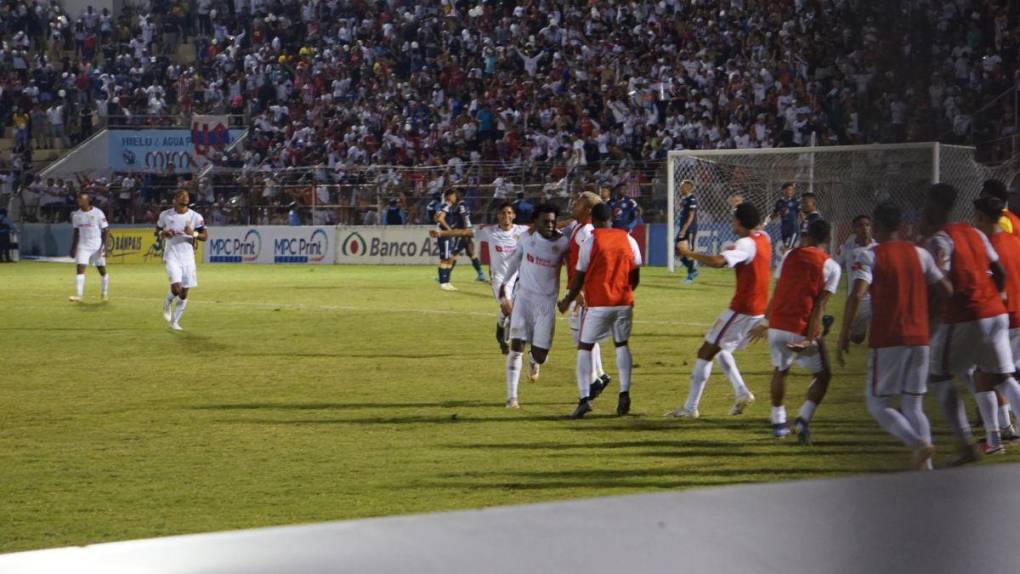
688 211
461 216
624 213
808 220
433 209
787 210
525 212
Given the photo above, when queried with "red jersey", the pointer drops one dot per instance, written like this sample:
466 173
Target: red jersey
974 293
1013 220
899 297
1007 246
574 249
800 283
607 279
752 295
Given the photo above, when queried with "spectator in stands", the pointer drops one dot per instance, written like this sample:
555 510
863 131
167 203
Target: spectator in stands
394 214
626 211
7 227
523 209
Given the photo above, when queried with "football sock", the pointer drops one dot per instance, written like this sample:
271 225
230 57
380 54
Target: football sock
170 298
779 415
956 414
583 373
729 368
623 365
913 409
689 264
477 264
500 332
807 410
989 408
596 361
699 377
893 421
179 310
104 285
1004 419
79 284
1011 390
441 274
514 359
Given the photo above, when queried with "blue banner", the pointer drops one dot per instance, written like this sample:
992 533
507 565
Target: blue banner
154 150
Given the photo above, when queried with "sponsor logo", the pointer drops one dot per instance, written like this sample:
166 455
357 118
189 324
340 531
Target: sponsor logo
300 250
245 250
354 245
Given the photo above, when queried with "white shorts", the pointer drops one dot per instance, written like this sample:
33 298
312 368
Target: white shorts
814 358
898 371
859 328
95 257
1014 344
957 347
730 330
183 272
533 319
597 323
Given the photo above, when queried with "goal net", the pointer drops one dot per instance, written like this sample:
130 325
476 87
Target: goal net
846 180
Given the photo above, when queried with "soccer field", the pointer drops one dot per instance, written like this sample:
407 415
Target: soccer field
301 394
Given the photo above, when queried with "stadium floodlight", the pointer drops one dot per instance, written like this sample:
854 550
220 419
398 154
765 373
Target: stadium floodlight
847 180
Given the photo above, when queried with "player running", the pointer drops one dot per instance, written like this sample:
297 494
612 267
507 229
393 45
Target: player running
180 228
751 257
608 270
579 231
860 240
502 239
536 262
973 336
807 279
900 277
88 245
787 208
688 225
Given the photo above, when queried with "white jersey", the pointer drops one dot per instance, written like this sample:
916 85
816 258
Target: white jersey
579 232
538 260
181 246
502 245
90 225
847 255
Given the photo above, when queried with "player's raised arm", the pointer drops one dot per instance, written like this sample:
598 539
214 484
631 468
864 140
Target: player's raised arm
436 233
683 249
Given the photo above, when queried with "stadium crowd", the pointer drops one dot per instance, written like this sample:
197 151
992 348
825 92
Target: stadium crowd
483 94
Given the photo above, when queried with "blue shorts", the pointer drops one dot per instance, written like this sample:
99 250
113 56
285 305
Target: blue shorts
446 246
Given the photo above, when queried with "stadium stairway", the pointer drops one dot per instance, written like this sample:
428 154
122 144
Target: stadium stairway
923 522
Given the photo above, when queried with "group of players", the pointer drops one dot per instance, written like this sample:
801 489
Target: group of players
941 306
178 229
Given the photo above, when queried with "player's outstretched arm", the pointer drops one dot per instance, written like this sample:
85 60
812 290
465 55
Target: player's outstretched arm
683 249
470 232
853 301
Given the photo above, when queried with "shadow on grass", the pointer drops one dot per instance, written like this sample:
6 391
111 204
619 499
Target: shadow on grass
386 355
454 419
344 406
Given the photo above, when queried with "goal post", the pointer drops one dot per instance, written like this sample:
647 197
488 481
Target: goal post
847 181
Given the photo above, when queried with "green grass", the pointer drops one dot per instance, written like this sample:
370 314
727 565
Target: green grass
302 394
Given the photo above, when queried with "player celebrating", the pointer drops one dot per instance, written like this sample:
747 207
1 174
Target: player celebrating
1009 222
787 208
860 240
899 275
608 269
88 245
807 279
180 227
502 239
974 334
688 225
751 257
533 319
989 211
579 231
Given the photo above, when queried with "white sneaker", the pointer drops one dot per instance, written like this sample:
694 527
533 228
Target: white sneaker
175 327
533 371
166 310
741 403
104 297
512 404
447 287
74 299
682 412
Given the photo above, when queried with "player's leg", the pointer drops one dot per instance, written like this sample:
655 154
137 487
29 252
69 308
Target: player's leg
699 378
941 380
692 271
996 364
594 326
622 322
188 281
99 260
885 381
988 405
445 246
79 281
743 397
600 380
912 397
816 360
543 327
469 248
859 328
520 333
781 358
